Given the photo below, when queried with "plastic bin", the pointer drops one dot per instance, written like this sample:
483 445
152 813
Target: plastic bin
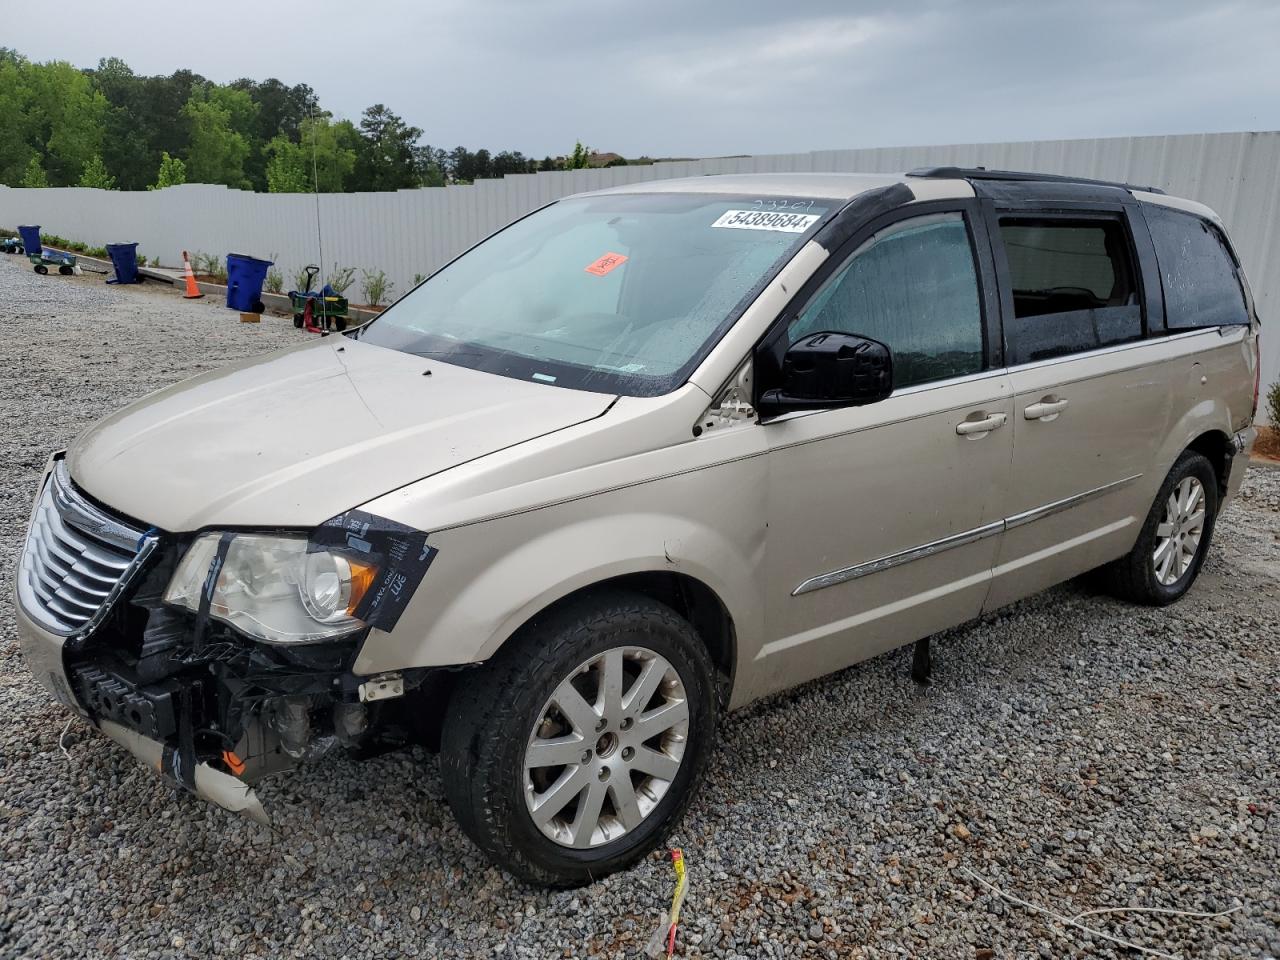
31 240
124 257
245 276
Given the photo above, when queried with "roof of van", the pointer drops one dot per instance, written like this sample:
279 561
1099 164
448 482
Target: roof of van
831 186
926 183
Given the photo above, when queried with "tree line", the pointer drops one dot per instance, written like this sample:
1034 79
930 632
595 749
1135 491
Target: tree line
111 128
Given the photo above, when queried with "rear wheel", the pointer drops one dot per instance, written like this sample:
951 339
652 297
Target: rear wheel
297 320
42 269
573 753
65 271
1175 537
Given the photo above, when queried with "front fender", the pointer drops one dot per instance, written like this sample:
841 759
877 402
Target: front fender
490 578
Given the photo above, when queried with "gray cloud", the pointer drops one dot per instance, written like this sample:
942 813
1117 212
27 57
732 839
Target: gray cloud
713 77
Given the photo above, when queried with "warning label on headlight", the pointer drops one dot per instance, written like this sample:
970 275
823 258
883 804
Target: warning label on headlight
401 555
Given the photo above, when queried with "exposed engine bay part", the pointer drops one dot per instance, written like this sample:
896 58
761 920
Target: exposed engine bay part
290 718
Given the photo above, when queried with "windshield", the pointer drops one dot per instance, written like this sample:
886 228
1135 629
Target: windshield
619 293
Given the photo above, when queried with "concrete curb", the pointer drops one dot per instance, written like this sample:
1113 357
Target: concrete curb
275 302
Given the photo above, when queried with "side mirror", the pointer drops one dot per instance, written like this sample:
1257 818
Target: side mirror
825 370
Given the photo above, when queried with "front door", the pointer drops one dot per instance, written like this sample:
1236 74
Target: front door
884 520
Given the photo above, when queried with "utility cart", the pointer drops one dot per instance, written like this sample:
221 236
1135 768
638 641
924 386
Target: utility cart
43 259
325 309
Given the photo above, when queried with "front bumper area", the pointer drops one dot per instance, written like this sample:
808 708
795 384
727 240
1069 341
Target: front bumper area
207 782
212 721
43 652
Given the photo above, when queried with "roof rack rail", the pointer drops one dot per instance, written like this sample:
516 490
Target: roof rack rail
982 173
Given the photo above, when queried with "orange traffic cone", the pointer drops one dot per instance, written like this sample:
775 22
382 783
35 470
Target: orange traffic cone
193 292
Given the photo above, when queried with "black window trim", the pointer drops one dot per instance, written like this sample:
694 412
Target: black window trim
771 346
1141 251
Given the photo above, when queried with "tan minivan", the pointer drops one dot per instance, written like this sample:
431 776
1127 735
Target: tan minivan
643 456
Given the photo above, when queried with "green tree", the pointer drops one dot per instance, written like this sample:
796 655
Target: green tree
18 139
95 175
171 173
287 168
217 116
386 156
68 116
579 159
34 175
323 160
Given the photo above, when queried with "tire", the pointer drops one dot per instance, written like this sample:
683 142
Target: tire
1142 577
65 271
339 323
42 269
297 320
258 307
492 720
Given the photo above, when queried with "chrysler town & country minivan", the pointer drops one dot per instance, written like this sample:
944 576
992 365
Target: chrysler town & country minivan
641 457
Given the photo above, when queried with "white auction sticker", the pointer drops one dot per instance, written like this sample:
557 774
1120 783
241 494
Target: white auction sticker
766 220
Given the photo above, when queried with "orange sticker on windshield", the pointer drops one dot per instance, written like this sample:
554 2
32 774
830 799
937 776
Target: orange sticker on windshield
606 263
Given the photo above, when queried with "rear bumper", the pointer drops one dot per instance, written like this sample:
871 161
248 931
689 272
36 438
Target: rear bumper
1243 447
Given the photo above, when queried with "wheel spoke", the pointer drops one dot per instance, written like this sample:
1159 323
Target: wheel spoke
1172 510
609 699
576 710
1162 566
557 796
557 752
1194 522
624 801
655 763
1162 550
588 815
1165 529
661 719
644 687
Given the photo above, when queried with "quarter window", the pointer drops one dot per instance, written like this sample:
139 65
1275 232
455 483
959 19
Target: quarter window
1073 283
913 287
1201 283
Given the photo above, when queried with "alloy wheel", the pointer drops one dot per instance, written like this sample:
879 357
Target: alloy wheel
606 747
1179 532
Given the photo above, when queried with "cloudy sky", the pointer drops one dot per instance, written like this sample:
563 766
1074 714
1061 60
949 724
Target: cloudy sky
715 77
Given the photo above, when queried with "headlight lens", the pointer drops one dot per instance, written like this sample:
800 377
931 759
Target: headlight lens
274 589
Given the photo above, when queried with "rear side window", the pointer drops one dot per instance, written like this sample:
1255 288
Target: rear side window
913 286
1074 286
1201 281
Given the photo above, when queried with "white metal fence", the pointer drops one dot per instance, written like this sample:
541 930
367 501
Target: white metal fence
415 231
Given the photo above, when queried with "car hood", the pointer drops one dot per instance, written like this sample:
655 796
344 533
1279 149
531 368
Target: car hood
296 437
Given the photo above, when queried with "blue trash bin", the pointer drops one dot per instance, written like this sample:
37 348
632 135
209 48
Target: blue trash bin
31 240
124 257
244 282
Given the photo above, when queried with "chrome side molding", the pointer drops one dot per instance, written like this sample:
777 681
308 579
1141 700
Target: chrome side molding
933 548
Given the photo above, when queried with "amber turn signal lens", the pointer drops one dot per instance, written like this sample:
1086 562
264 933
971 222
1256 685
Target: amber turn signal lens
362 575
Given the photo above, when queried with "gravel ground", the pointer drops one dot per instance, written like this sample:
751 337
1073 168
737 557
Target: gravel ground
1074 751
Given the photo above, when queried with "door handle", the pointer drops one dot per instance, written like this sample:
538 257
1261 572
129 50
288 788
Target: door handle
1046 409
977 428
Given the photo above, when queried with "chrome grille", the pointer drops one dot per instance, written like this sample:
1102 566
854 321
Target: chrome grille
77 559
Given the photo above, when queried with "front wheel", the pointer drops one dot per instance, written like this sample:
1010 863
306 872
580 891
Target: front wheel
575 751
1175 537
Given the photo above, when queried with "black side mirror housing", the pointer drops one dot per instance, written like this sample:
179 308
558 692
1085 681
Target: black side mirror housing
824 370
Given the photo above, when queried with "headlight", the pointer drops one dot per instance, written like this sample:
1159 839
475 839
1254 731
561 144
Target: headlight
274 588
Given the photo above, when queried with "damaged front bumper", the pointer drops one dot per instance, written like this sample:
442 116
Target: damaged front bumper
215 723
